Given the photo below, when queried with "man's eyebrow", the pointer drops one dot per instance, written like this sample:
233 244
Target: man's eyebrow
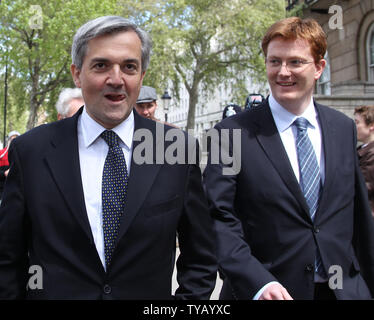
99 59
136 61
289 58
94 60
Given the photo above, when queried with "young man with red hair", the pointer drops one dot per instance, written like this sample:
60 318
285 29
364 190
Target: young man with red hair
295 222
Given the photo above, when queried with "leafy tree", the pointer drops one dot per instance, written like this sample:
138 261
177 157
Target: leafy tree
36 40
200 44
204 44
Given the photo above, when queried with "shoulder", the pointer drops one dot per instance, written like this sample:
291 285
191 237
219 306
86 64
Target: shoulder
248 119
332 114
156 126
38 138
368 151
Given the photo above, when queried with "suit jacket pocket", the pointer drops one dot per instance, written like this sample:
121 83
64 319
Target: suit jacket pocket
162 207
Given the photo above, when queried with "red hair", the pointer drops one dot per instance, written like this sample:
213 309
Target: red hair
295 28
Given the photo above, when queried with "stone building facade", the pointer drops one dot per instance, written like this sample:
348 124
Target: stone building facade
347 82
349 24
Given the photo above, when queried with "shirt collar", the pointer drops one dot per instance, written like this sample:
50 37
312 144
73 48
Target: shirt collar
284 119
92 130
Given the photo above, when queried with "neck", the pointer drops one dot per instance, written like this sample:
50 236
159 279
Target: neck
369 139
296 107
299 107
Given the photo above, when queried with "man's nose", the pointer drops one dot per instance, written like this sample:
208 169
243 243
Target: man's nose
283 70
115 76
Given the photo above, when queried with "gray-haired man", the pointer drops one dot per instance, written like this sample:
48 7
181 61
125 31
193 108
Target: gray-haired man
99 224
68 103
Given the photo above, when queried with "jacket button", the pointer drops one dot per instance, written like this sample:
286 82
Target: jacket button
309 268
107 289
316 230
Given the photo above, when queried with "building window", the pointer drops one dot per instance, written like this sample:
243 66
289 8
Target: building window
324 82
370 53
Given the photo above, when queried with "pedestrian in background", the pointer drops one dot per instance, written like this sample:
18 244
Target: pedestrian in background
146 104
69 102
364 119
4 162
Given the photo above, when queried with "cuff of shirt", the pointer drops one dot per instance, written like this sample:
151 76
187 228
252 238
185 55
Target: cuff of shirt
259 293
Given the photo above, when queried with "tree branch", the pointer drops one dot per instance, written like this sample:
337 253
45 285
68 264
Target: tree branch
183 76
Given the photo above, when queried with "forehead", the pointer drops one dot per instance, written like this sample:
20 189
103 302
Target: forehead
126 44
146 104
289 48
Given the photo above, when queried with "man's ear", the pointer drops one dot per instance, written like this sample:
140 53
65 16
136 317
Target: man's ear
142 77
75 72
320 66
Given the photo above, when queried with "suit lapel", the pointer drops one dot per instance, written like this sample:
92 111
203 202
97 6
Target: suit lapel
268 137
63 162
330 152
141 177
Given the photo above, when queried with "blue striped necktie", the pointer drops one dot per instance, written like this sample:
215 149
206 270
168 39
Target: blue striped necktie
114 189
310 179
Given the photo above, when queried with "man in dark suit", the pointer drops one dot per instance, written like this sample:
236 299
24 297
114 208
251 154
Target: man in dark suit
81 208
294 223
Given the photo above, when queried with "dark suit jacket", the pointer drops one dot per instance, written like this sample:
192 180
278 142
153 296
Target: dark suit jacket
43 221
263 226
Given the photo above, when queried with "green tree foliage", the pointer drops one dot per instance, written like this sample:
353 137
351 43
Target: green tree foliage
36 41
204 44
200 44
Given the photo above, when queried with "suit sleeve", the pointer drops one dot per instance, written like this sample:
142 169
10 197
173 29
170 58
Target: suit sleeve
197 263
13 249
244 273
363 240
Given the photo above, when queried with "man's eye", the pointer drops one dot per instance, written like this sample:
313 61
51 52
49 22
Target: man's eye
296 63
274 62
130 67
99 65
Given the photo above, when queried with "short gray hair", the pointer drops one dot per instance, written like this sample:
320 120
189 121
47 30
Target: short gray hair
107 25
66 95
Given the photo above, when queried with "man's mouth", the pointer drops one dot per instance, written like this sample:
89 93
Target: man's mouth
115 97
286 84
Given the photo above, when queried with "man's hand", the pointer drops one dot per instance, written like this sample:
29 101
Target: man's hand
6 173
275 292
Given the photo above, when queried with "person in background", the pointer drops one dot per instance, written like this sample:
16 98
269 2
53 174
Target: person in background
364 119
68 103
146 104
4 163
230 110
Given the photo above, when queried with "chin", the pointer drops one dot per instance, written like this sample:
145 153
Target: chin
285 98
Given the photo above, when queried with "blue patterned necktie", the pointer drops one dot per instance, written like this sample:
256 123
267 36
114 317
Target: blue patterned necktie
114 189
310 179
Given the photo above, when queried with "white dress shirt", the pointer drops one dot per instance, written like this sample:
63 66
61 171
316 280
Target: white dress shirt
283 120
92 153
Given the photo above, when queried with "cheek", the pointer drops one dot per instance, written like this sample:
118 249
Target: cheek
269 74
133 83
93 83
